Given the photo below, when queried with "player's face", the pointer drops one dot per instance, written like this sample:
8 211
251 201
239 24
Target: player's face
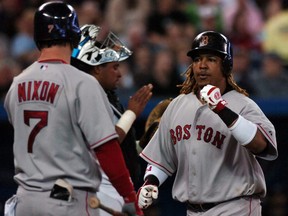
207 70
109 75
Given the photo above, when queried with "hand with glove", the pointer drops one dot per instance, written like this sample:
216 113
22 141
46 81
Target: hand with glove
211 95
131 207
146 194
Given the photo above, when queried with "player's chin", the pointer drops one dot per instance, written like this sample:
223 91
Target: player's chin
202 82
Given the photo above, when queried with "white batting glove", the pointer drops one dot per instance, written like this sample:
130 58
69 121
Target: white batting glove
146 195
211 95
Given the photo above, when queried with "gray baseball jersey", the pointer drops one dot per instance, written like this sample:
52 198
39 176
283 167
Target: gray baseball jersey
59 115
210 165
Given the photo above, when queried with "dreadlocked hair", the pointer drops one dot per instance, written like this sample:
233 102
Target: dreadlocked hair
189 85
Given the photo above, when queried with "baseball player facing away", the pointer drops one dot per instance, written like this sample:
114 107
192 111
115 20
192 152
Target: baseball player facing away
210 136
62 123
101 60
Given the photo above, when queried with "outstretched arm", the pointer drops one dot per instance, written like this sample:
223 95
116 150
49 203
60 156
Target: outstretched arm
135 107
112 162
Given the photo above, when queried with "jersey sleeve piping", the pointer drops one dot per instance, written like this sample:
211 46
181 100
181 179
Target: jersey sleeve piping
155 163
272 153
105 139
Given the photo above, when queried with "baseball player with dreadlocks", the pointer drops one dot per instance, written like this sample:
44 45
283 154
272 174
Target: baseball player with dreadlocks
210 136
102 60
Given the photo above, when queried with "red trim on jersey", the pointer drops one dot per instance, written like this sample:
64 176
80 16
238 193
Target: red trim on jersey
250 207
95 144
267 135
87 204
53 60
153 162
112 162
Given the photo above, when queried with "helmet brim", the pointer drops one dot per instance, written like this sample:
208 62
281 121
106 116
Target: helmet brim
196 52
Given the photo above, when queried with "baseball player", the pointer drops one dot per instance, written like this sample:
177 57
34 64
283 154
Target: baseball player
101 60
62 124
210 136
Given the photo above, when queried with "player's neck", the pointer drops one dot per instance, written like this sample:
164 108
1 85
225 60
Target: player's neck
56 52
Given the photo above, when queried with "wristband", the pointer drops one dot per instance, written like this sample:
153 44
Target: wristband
243 130
158 173
126 120
227 116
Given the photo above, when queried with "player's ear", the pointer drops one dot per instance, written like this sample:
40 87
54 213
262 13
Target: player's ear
97 70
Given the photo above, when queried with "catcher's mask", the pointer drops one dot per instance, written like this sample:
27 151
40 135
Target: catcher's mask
212 41
93 52
54 21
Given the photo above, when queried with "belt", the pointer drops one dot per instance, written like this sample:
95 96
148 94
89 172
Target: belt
200 207
206 206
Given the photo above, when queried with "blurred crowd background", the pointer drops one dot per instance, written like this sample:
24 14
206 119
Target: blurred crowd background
160 32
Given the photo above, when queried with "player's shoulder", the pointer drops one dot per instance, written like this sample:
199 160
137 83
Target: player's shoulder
79 76
238 99
236 96
182 100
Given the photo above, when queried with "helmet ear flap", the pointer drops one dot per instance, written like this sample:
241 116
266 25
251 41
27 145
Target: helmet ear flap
228 59
227 64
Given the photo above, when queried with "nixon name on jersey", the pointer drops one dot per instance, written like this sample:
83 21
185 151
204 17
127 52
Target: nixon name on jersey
45 91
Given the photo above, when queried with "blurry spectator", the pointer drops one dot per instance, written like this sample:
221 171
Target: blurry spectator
275 35
4 46
243 24
142 65
8 70
89 12
9 9
167 22
273 78
182 60
242 69
23 47
177 30
127 85
156 33
272 8
205 15
126 81
165 75
121 14
135 35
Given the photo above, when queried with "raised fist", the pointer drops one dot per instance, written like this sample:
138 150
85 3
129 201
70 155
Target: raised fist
211 95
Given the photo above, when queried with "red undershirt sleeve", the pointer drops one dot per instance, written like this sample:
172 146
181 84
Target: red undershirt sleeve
112 162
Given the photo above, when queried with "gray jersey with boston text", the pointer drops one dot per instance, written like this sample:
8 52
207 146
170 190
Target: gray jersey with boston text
210 165
59 115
